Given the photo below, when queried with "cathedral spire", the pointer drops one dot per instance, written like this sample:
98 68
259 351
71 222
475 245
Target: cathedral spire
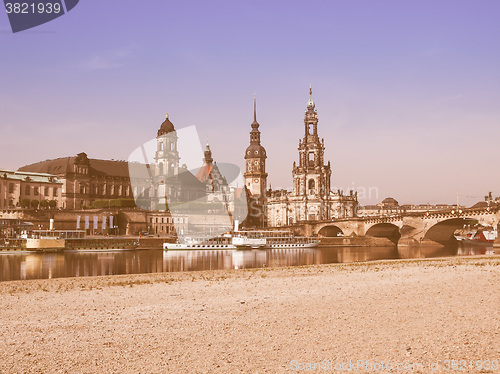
255 124
255 107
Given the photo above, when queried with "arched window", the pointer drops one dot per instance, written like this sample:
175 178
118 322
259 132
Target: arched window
311 158
311 185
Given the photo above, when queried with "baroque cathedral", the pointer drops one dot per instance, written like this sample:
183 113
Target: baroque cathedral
311 198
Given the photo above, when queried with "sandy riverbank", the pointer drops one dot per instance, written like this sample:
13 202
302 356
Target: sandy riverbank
255 321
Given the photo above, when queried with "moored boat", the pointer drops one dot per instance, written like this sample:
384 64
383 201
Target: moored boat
201 243
49 240
250 239
481 237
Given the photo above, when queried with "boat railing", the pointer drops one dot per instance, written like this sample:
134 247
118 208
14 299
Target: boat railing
61 234
206 240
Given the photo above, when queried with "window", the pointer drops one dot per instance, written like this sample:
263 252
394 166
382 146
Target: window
311 186
35 191
46 191
27 190
54 191
11 187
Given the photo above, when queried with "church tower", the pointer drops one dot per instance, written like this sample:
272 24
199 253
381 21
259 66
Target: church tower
311 177
166 165
167 156
255 156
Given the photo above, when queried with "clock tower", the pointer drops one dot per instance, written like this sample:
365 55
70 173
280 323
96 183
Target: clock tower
255 171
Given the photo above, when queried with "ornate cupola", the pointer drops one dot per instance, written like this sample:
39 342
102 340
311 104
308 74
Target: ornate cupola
166 127
255 156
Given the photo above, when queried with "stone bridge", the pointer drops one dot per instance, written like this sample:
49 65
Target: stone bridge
406 229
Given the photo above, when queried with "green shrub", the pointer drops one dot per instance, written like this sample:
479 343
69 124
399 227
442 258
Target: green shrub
113 203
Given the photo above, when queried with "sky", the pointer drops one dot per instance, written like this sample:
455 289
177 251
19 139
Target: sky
407 92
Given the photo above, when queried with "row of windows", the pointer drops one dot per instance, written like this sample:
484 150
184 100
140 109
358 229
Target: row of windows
45 191
34 190
167 220
106 190
160 220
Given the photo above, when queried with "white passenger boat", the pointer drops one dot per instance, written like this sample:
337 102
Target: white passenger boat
49 240
250 239
46 240
201 243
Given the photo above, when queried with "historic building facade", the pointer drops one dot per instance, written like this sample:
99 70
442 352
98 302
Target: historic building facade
311 197
85 180
16 186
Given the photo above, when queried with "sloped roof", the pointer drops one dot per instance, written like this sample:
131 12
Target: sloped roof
64 165
109 167
33 177
58 166
480 204
204 173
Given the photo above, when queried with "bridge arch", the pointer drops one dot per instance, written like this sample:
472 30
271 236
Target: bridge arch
385 230
443 231
330 231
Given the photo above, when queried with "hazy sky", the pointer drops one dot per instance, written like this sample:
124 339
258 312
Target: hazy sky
407 92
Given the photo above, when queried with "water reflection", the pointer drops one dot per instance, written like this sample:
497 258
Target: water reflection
15 266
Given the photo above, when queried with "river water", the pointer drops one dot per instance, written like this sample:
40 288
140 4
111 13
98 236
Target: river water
16 266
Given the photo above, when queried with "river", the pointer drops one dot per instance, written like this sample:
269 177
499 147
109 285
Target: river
27 265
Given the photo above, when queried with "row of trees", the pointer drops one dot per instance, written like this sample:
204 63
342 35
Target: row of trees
113 203
45 204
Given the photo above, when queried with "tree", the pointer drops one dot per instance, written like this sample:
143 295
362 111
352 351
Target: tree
25 203
34 203
44 204
52 204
